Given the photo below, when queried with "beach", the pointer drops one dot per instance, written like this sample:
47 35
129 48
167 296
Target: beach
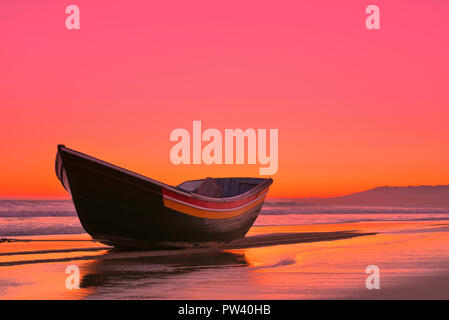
315 261
252 150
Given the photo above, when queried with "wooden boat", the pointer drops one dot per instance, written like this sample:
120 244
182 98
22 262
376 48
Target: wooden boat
125 209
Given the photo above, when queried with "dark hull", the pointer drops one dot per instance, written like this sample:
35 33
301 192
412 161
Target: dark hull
123 210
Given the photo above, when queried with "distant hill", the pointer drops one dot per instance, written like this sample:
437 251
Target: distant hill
412 196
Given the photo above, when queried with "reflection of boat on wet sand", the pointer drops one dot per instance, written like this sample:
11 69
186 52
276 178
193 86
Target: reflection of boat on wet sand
100 273
124 209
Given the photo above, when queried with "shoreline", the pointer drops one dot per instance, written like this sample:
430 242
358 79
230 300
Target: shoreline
245 243
323 261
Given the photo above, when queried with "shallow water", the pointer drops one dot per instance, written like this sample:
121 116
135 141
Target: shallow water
405 252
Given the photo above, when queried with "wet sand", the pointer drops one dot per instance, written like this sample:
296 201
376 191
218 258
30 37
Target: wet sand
325 261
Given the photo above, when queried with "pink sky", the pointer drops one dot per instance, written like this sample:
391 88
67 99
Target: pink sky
355 108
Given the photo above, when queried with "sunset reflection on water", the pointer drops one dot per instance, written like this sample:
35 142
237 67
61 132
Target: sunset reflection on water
405 252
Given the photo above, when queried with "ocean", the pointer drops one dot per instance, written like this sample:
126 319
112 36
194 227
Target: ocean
50 217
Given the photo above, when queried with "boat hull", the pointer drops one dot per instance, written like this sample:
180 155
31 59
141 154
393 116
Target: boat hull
124 210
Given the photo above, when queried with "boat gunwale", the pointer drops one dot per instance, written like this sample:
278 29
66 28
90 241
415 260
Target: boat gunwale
265 183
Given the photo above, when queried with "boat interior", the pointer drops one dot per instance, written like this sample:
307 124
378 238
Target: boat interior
220 187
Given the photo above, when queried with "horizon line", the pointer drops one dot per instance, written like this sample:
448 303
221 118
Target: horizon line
63 198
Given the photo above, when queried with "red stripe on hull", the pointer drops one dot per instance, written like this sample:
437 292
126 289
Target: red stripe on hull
207 204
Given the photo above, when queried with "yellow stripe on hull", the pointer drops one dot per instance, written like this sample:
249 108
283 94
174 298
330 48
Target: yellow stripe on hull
204 213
